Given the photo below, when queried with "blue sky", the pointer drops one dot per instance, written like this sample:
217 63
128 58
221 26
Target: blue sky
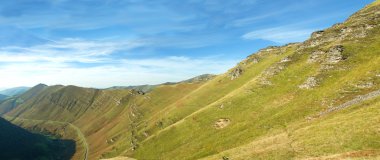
103 43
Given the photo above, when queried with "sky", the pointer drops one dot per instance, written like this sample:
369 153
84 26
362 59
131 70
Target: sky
104 43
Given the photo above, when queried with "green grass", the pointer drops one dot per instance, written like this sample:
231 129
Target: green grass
256 110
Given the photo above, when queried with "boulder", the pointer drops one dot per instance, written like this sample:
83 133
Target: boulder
335 54
235 73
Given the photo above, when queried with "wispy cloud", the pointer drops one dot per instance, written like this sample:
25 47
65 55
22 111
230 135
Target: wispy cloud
66 50
279 34
93 63
120 72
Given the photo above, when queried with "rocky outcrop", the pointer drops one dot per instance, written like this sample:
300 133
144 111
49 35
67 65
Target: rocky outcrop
335 54
235 73
310 83
357 26
316 56
286 59
270 72
317 34
332 56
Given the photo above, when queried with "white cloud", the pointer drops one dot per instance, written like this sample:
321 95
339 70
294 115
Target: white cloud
280 34
124 72
95 66
66 50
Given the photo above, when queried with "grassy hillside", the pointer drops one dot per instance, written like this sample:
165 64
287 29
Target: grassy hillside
278 89
105 117
18 143
12 102
313 100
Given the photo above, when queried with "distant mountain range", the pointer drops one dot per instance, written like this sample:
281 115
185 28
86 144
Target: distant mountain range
2 97
14 91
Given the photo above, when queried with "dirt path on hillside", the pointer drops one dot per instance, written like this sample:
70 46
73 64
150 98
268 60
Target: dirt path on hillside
78 131
350 103
228 95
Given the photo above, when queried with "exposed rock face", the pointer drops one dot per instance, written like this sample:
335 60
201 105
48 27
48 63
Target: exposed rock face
221 123
286 59
316 56
335 54
317 34
310 83
255 60
270 49
270 72
360 26
236 73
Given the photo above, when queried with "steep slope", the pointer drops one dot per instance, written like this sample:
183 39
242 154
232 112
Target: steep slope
278 91
17 143
11 103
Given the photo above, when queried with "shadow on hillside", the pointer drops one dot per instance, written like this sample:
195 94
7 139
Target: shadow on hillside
18 143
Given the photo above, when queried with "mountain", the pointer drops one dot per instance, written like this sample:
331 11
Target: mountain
143 88
14 91
148 88
203 77
319 99
18 143
12 102
2 97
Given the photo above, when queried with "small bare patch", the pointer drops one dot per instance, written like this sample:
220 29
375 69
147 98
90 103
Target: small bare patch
310 83
221 123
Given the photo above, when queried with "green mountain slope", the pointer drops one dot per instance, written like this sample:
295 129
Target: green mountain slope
316 99
12 102
278 91
17 143
105 117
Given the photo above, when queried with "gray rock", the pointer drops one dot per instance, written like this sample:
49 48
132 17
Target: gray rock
317 34
310 83
335 54
316 56
235 73
286 59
